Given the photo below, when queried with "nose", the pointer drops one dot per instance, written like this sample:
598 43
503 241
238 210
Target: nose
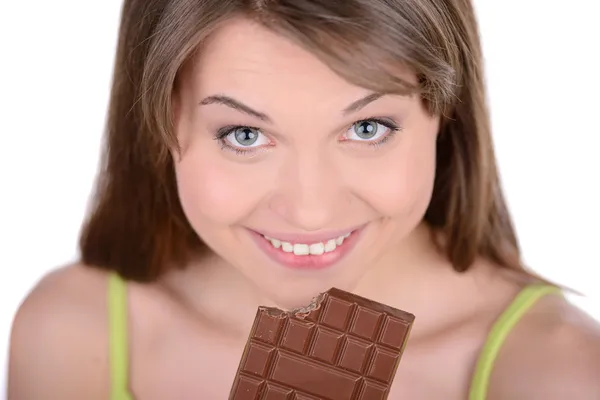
309 195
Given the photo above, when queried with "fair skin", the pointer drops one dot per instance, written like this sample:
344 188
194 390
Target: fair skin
308 174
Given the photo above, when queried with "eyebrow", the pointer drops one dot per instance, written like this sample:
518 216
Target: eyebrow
362 103
236 105
241 107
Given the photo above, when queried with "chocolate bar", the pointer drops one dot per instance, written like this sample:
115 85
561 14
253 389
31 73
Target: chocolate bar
340 347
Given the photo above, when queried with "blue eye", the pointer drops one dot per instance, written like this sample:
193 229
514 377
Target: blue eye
368 129
371 130
244 136
241 139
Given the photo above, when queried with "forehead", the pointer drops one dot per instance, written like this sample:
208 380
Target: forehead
243 56
245 59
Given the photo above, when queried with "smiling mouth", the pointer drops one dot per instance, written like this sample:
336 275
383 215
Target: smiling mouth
305 249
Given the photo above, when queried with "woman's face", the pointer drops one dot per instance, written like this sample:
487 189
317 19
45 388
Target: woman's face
297 178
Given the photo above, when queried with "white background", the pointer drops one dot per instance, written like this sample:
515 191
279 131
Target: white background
543 68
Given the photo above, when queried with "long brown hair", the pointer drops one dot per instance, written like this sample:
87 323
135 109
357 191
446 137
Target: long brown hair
136 225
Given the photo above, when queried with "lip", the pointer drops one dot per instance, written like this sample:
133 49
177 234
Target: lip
308 262
307 238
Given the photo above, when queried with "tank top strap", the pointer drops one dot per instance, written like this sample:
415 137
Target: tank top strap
522 303
118 338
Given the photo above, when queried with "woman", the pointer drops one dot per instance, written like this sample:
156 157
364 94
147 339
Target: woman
261 152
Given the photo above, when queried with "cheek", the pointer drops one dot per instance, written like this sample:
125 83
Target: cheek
400 184
214 190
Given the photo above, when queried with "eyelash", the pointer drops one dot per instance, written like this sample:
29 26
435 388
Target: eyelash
223 132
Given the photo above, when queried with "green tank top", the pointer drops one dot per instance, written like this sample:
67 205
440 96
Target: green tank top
119 353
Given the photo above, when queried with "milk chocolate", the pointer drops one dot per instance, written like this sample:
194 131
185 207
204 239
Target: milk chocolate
341 347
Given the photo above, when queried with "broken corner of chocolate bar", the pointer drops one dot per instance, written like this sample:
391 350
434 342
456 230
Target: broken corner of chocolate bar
339 347
301 312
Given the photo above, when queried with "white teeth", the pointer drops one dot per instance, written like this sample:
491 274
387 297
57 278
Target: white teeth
317 249
330 246
301 249
287 247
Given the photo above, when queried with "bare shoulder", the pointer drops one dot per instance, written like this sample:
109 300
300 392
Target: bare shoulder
553 353
59 343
